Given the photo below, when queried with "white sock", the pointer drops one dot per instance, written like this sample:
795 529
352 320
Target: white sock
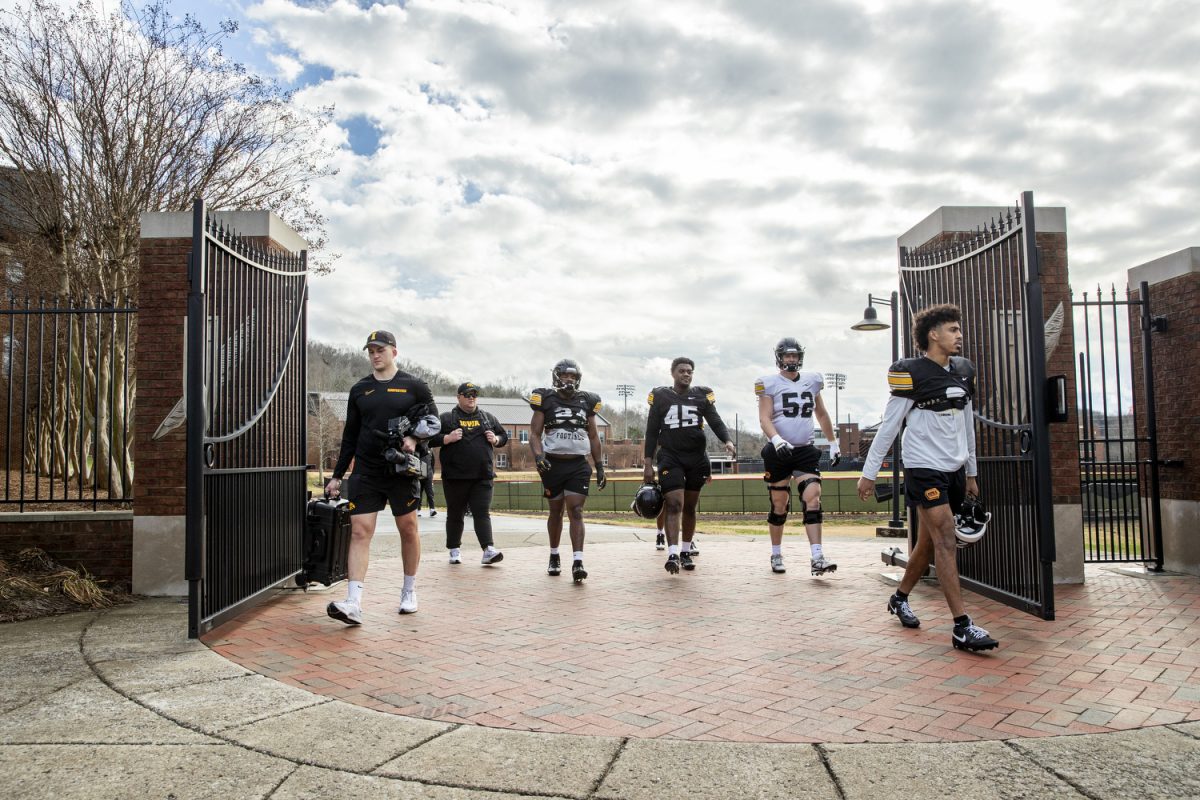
354 592
578 555
553 551
687 547
776 549
410 582
816 551
661 532
672 549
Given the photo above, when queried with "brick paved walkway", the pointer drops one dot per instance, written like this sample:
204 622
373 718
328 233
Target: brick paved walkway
731 652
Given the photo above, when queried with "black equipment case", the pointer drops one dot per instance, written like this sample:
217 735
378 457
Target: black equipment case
326 542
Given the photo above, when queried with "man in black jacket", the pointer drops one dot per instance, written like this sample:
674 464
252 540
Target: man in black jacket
467 439
384 475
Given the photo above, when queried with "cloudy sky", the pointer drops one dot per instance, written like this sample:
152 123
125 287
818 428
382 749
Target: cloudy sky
624 182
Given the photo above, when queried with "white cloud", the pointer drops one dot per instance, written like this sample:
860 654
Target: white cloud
625 182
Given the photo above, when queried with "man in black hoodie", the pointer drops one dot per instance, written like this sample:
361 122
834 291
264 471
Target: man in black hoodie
467 438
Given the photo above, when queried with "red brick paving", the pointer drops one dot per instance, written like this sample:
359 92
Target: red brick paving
731 652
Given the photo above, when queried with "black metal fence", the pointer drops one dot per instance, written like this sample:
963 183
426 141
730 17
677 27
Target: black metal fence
994 278
1118 453
67 394
246 436
729 495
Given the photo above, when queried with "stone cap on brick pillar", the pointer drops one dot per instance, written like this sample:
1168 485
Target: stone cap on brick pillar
1162 269
953 219
178 225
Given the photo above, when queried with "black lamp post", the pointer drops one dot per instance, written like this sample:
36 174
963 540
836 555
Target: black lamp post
870 322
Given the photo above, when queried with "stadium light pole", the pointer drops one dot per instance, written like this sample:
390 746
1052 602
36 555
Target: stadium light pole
625 390
870 322
838 381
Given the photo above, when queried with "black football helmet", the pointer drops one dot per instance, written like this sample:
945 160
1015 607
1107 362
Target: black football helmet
648 502
788 345
566 376
970 523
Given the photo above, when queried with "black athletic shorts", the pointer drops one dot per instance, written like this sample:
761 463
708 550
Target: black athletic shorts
677 471
567 474
368 494
801 459
931 487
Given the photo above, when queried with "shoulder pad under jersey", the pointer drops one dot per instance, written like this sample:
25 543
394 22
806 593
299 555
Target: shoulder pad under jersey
536 398
900 377
707 391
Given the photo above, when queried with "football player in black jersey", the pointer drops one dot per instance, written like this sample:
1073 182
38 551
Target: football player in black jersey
562 434
932 394
384 395
675 430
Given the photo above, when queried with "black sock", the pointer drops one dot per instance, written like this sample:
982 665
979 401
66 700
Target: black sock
962 621
901 596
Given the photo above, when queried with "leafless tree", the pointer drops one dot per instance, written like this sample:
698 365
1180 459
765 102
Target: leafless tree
106 115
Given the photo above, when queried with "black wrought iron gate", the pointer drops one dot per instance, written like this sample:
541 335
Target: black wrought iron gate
1118 447
246 445
993 276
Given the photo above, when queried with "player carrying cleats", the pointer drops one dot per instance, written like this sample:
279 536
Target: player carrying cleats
903 612
972 637
672 565
578 573
555 567
821 565
777 564
685 560
345 611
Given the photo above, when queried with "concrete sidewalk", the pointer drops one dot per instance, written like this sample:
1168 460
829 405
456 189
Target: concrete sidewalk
121 704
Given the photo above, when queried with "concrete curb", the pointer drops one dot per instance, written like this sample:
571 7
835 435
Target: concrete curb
122 704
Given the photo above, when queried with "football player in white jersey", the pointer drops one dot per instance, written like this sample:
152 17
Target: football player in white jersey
933 395
788 401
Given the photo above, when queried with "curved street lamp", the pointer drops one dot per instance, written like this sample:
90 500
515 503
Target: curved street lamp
871 322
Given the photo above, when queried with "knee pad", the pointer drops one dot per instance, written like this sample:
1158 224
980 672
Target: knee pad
773 517
802 485
813 516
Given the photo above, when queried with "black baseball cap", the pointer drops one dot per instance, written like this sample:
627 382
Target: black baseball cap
380 338
468 387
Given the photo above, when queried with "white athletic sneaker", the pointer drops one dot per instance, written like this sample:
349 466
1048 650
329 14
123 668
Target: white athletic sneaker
408 601
491 557
777 564
345 611
456 556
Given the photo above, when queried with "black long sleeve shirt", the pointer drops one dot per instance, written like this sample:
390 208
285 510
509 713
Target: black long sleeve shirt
371 404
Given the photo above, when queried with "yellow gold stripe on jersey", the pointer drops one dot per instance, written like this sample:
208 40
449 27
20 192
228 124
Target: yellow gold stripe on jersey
535 399
398 391
759 388
711 397
902 381
596 408
650 398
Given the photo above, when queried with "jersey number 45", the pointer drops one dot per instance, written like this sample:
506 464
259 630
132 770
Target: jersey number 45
682 417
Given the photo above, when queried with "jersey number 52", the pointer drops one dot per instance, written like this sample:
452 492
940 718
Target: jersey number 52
793 409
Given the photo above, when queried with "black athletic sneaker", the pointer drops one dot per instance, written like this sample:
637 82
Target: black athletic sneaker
685 560
695 549
578 572
555 565
672 565
903 612
660 541
972 637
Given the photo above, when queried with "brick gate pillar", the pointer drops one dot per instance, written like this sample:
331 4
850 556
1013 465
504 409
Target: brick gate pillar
1174 284
950 223
158 496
